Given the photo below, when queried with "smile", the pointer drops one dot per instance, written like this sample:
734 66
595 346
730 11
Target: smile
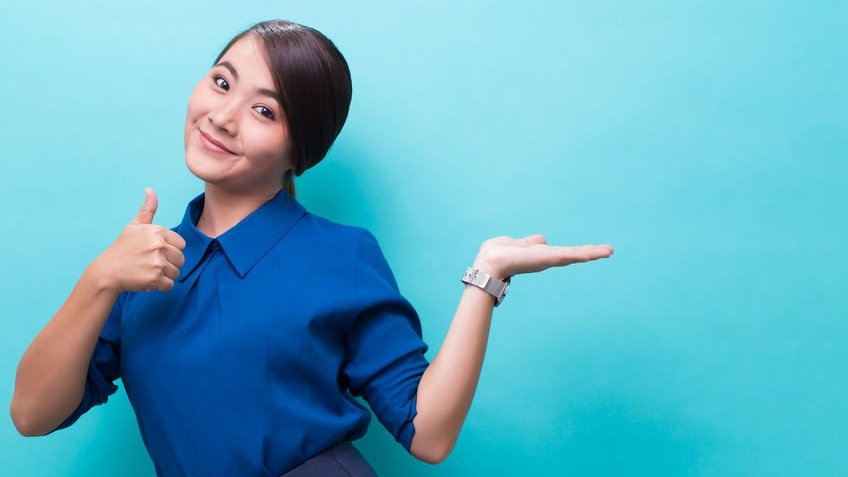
212 145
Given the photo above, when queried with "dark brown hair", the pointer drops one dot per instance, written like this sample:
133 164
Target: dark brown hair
313 81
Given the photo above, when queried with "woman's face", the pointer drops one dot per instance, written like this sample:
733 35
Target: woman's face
233 105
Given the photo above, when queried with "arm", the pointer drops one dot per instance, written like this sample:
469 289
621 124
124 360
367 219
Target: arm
447 386
51 379
51 376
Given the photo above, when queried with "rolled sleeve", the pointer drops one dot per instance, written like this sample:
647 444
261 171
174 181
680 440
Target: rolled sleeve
384 344
104 367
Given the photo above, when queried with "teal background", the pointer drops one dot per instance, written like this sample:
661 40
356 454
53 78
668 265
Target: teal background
705 141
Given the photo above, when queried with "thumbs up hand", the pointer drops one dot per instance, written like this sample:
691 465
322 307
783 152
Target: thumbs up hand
144 256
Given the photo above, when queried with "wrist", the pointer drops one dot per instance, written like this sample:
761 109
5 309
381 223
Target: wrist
97 274
484 266
485 277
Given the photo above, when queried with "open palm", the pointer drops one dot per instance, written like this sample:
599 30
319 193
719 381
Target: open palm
506 256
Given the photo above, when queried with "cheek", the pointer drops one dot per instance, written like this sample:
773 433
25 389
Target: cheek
202 99
265 144
195 105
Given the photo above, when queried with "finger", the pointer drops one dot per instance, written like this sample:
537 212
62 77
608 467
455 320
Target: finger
533 239
175 239
166 284
583 253
174 255
148 208
604 246
538 257
171 271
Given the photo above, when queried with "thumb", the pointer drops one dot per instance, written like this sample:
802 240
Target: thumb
534 239
148 209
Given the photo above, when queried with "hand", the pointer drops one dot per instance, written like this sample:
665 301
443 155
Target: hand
145 256
504 256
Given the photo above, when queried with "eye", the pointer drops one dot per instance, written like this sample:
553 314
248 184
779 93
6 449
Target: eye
217 77
270 114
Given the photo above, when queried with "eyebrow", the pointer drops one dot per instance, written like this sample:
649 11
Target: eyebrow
265 92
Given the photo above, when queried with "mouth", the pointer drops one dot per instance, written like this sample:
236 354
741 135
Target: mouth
212 144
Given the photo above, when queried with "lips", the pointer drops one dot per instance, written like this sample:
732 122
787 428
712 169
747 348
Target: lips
217 143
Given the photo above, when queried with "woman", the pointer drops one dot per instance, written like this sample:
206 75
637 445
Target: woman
243 334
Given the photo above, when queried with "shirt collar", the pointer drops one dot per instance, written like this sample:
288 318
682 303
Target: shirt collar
247 241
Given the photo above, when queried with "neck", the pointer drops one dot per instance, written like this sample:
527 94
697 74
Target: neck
223 208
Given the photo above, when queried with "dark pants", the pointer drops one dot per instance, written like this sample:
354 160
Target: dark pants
342 460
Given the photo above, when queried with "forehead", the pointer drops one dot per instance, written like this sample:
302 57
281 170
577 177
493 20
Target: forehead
247 55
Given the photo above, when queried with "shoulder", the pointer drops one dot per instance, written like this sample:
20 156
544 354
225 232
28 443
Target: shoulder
348 245
324 231
332 245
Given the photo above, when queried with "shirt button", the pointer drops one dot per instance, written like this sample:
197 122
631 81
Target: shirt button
216 246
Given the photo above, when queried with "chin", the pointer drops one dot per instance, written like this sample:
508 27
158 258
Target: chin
203 167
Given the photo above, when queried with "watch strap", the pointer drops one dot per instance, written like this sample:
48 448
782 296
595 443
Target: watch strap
490 284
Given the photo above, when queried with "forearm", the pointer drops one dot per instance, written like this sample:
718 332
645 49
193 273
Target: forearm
447 387
50 379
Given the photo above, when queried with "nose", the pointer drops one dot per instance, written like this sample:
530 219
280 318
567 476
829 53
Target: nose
224 117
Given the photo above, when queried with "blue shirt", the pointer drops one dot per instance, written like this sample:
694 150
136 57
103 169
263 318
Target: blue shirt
250 364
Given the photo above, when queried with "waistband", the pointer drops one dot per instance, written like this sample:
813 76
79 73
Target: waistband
341 460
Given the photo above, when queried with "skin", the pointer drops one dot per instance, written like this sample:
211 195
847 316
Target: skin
249 124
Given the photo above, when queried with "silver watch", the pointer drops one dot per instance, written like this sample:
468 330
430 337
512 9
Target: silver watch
490 284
